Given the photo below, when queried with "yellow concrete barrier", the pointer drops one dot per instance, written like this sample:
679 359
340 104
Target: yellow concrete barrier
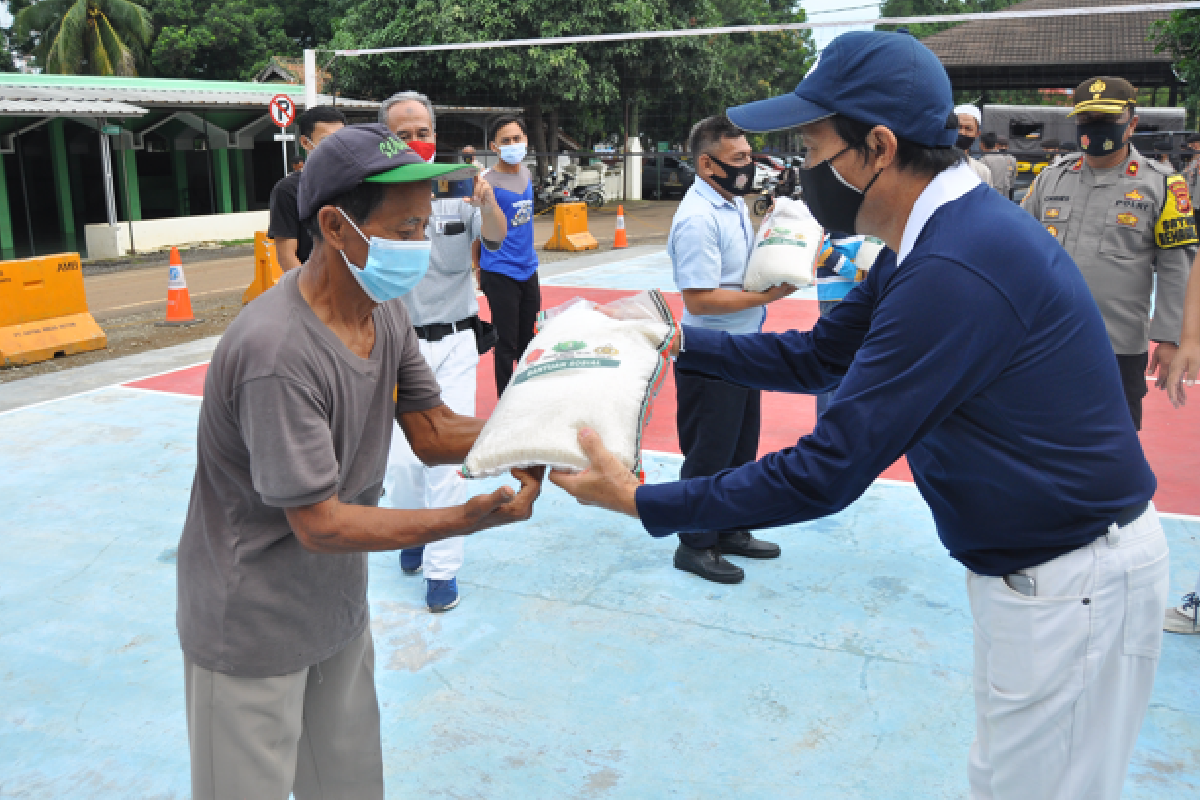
571 229
267 271
44 310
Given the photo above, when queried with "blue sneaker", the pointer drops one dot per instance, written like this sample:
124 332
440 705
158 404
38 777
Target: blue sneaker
410 560
441 595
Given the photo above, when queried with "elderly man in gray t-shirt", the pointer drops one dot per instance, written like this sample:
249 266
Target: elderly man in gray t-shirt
293 437
445 315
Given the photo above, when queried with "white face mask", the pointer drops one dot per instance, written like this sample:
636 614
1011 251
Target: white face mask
393 268
513 153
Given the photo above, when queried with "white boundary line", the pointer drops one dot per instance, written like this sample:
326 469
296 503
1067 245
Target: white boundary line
788 26
117 385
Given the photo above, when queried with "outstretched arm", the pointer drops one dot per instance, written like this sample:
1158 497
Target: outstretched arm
922 358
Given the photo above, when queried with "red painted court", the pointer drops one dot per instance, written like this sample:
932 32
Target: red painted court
1170 437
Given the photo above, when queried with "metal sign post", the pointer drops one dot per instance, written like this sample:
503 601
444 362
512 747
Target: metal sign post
283 114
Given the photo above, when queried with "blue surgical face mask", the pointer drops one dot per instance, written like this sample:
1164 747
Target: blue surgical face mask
513 153
394 267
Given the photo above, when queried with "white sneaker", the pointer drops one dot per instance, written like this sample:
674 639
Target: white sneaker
1183 618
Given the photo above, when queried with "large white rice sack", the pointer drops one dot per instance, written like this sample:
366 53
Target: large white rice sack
786 248
583 369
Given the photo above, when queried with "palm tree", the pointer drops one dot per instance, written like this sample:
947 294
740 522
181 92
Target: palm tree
95 37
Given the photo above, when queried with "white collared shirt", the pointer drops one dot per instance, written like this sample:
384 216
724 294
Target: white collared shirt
948 186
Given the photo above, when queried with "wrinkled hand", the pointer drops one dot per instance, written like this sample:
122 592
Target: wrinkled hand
1181 372
1160 362
504 506
777 292
483 193
606 483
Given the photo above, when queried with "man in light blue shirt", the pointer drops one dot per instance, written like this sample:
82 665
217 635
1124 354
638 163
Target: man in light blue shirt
710 243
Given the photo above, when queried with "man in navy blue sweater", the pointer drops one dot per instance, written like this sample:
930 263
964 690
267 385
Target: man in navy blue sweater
975 348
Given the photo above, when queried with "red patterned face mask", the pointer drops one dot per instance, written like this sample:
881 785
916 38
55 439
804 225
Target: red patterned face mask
426 150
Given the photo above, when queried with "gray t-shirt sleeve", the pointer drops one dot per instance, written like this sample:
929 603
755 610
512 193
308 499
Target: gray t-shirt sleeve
416 387
286 431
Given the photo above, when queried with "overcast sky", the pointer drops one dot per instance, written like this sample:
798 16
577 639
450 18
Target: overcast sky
827 11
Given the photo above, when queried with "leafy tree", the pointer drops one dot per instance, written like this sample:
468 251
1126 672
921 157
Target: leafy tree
668 83
96 37
220 39
1180 36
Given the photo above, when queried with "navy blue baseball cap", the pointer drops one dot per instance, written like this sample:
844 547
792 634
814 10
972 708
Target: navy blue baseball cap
365 154
874 77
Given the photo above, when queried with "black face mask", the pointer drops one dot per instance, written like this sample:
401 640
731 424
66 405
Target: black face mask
833 202
964 142
737 180
1101 138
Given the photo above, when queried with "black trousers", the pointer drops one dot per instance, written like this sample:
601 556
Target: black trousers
1133 381
515 306
718 426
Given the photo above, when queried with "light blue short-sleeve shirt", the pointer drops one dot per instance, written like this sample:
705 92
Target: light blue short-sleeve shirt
709 245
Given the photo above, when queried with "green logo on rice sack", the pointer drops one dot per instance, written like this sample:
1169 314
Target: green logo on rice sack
568 354
783 236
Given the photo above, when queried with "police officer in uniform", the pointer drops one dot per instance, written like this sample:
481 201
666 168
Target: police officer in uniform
1122 217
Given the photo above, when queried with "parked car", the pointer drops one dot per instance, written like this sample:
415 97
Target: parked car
664 176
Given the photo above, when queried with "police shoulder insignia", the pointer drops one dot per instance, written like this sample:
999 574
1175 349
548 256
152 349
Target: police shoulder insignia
1132 169
1135 195
1053 231
1127 219
1052 213
1179 190
1175 226
1077 166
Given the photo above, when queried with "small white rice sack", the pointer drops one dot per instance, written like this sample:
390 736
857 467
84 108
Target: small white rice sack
868 253
786 248
583 369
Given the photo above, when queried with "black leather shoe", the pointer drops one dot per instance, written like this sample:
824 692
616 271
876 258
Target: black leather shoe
708 564
743 543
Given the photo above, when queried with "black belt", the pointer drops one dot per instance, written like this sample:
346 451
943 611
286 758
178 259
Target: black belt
1128 515
440 330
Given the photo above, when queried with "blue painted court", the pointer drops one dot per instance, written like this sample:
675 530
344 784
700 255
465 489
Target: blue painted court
579 664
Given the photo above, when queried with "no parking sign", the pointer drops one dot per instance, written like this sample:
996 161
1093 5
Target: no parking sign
282 111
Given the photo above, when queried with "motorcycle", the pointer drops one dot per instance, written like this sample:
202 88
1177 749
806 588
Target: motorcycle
553 192
592 194
775 188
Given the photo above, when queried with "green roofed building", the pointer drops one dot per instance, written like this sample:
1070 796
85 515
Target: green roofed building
177 148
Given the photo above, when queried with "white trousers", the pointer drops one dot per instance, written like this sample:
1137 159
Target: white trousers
409 483
1063 679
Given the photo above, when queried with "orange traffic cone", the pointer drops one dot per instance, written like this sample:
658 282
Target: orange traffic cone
179 302
619 239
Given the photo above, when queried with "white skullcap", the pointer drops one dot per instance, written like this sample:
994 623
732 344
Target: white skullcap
967 108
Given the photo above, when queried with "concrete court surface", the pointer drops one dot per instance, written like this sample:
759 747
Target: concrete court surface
579 664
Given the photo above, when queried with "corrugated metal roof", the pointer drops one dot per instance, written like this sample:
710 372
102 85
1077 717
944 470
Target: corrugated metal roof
1050 40
165 92
20 101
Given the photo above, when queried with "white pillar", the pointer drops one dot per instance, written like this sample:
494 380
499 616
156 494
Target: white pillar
310 78
634 145
110 198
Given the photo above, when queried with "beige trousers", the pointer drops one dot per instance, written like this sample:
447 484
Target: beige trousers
314 733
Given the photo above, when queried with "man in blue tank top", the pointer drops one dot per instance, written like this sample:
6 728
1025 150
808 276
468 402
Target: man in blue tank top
508 276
